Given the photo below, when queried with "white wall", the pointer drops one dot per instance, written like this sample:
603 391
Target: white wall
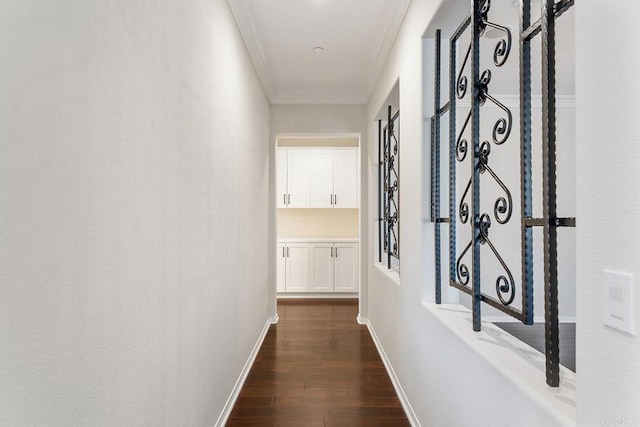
608 204
133 211
316 119
437 362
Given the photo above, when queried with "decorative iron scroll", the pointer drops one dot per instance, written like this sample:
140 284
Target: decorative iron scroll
390 192
471 146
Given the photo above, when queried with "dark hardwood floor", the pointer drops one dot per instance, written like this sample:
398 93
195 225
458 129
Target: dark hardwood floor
318 367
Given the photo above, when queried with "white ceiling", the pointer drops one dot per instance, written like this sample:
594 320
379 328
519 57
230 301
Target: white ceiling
356 36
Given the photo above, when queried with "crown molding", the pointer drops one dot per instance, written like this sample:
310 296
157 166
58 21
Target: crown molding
513 101
394 13
318 98
244 15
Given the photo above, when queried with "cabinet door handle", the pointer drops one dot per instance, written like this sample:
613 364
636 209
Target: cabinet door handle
288 199
336 252
287 252
331 198
283 252
331 252
284 199
335 199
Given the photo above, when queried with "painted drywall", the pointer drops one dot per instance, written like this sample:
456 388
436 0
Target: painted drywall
300 223
433 360
608 179
318 120
134 196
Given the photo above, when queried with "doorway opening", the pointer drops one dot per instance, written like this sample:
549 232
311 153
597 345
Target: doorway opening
318 216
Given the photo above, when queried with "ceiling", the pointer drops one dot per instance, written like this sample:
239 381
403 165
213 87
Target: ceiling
356 36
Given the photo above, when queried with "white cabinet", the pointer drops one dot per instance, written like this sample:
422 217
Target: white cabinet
281 262
321 261
292 178
333 178
346 272
321 179
318 267
317 178
345 178
292 269
297 178
281 178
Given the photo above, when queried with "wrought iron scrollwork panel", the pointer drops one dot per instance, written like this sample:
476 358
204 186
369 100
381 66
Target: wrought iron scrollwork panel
472 146
391 187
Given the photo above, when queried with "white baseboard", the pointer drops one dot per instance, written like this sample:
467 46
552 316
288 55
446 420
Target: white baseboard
304 295
275 319
231 401
411 415
362 320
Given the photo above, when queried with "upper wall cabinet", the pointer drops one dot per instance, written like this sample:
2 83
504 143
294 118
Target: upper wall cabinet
292 178
317 177
345 178
333 178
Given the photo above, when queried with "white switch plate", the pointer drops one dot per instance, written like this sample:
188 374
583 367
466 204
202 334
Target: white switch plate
618 301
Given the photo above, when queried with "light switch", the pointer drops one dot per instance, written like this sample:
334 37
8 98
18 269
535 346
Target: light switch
299 221
618 301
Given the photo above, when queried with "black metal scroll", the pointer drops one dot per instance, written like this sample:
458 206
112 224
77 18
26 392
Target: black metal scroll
469 147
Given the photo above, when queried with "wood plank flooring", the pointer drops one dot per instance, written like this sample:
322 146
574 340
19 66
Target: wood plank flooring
318 367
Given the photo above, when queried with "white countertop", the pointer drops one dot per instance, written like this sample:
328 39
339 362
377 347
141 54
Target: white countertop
318 239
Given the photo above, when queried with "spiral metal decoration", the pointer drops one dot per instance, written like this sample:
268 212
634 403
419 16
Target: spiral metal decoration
501 131
505 285
464 205
502 127
391 188
462 143
462 268
461 82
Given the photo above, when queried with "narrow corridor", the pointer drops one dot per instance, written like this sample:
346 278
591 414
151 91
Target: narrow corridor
318 367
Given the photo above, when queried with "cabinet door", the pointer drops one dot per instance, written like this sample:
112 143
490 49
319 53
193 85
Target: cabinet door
321 274
346 262
281 177
281 262
297 269
298 178
321 179
345 181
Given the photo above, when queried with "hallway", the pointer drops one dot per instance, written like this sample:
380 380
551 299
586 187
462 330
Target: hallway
318 367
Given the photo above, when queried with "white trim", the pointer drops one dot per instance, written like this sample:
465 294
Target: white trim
411 415
231 401
244 15
513 101
318 135
361 320
275 319
317 295
394 13
318 98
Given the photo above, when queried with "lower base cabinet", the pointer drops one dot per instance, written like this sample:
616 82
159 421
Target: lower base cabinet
292 267
334 267
318 267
